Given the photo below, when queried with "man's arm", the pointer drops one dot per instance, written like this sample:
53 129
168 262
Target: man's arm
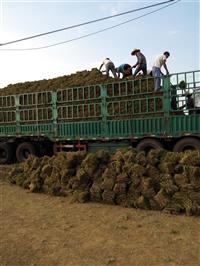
100 66
165 67
137 63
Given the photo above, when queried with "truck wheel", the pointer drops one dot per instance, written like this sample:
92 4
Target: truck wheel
187 144
24 150
148 144
6 153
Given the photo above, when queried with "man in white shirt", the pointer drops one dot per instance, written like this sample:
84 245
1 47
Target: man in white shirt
109 66
156 70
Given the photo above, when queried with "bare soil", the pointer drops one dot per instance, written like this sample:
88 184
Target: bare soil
38 229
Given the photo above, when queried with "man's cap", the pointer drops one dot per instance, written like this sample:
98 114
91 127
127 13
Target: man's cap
135 51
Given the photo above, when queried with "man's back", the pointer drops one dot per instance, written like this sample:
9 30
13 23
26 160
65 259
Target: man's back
107 61
159 61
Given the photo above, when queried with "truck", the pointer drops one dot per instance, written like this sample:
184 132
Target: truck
123 113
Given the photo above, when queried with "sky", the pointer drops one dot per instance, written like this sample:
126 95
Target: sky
175 29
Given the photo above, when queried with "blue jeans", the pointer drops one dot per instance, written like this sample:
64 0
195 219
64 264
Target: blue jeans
157 80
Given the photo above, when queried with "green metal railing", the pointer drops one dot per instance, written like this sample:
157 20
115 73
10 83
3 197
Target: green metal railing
76 104
122 109
185 92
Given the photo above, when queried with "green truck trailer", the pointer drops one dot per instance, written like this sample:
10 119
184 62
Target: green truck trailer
125 113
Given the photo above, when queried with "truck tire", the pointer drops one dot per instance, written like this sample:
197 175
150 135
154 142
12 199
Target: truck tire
6 153
24 150
187 144
148 144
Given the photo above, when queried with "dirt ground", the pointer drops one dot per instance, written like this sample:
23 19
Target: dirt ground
38 229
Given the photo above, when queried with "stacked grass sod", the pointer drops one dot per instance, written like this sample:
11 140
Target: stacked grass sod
80 78
79 97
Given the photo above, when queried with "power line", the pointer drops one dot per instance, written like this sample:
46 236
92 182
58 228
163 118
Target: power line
85 23
90 34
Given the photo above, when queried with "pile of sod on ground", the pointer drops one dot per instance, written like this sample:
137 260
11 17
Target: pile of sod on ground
159 180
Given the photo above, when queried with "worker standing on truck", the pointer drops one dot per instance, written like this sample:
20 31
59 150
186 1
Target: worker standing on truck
193 101
156 70
125 70
109 66
141 63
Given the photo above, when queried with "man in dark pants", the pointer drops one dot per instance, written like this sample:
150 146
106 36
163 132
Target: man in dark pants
141 63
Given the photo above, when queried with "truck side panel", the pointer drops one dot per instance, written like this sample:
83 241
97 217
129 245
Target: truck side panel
125 109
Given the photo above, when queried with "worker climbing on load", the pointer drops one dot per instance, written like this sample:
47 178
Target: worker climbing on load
192 102
125 70
156 70
141 64
109 66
